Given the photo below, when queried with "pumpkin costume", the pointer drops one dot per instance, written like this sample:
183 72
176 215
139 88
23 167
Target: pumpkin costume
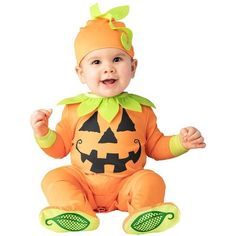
109 139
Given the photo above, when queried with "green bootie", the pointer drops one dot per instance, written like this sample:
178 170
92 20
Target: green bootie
59 220
153 220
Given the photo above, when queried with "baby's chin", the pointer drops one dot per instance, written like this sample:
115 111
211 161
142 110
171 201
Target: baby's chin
108 92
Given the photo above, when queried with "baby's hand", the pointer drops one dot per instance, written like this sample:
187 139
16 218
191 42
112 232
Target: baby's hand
39 122
191 138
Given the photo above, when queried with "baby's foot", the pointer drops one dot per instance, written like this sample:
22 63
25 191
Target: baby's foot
155 219
59 220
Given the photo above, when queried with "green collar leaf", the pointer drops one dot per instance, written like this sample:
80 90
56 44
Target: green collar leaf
107 107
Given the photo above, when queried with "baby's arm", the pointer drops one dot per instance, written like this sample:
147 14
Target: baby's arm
39 122
191 138
54 143
162 147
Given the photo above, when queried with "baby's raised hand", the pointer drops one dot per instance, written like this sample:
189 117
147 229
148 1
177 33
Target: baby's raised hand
39 121
191 138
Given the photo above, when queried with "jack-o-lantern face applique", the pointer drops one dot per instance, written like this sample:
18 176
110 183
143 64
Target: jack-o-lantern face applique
109 136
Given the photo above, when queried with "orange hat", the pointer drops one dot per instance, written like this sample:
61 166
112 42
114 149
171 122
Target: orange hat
103 31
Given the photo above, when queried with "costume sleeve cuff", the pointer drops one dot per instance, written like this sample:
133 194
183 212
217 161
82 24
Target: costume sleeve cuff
176 146
47 140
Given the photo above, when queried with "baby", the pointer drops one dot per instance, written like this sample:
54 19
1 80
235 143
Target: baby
109 133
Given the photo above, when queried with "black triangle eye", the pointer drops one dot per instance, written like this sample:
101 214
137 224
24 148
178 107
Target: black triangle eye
126 123
91 124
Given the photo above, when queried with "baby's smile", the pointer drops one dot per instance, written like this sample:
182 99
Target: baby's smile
109 81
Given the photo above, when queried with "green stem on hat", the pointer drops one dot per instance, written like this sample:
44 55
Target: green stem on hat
116 13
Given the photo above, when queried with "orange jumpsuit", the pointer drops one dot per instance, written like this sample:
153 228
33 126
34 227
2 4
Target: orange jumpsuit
108 159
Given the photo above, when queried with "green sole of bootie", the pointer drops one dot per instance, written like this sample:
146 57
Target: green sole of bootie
153 220
59 220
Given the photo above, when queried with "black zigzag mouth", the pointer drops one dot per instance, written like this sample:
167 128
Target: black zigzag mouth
98 163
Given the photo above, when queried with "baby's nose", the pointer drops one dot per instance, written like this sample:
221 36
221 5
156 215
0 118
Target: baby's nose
109 69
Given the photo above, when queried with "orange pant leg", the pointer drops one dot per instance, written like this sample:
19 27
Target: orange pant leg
143 189
66 188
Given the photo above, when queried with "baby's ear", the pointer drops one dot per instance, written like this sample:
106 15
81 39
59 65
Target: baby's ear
79 72
134 65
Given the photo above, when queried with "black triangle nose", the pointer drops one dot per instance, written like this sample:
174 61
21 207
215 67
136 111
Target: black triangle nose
108 137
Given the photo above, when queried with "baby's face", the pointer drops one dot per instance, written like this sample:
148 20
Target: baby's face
107 72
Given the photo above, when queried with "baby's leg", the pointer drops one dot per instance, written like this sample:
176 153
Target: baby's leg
142 196
70 201
66 188
143 189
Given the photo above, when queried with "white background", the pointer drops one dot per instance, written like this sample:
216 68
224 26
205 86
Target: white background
187 67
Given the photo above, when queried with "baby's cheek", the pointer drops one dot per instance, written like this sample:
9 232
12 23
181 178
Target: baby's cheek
126 80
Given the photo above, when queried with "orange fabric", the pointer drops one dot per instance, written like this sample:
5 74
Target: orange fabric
97 34
66 188
153 143
86 189
143 189
70 189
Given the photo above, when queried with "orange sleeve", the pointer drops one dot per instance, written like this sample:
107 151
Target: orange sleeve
64 133
157 145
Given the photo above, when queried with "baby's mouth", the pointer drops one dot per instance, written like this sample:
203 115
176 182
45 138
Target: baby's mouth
108 81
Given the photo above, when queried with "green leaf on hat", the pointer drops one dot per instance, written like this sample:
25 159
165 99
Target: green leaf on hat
116 13
95 11
119 13
126 38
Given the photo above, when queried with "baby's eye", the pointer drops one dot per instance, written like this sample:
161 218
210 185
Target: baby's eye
117 59
96 62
